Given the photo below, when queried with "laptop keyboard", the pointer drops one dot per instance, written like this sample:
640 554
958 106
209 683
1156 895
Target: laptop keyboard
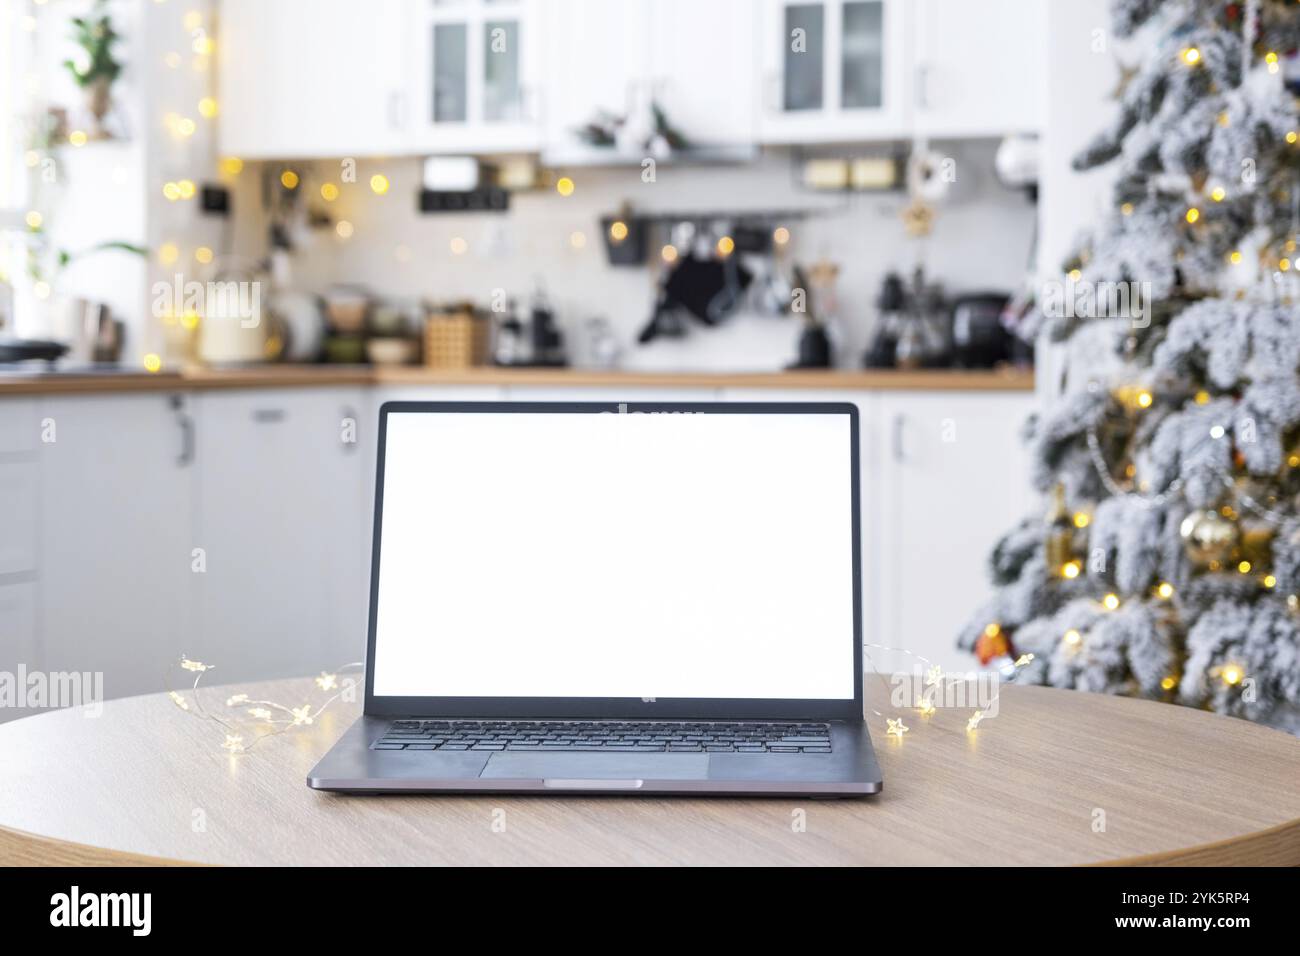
607 736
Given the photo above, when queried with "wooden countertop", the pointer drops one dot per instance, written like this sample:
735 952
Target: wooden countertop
1057 777
307 376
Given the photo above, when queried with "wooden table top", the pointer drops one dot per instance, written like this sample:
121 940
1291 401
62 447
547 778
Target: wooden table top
1058 777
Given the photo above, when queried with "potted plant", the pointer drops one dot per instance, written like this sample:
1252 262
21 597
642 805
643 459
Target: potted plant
95 68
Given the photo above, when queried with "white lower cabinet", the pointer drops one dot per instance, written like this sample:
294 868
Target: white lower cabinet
235 526
114 537
19 497
18 494
280 522
953 476
19 652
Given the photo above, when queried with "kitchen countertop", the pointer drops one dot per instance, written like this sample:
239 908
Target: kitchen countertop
42 382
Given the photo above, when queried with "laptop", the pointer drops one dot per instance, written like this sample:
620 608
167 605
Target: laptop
613 598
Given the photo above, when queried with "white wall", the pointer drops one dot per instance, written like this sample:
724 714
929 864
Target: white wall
1081 79
112 189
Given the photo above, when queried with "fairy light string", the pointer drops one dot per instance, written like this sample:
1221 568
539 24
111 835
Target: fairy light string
269 718
1175 486
935 683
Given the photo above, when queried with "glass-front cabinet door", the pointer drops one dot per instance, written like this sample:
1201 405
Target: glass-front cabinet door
475 75
832 70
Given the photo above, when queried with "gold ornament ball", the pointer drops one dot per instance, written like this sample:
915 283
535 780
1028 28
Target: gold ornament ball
1208 537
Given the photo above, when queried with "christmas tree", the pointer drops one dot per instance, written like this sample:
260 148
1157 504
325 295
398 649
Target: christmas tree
1168 565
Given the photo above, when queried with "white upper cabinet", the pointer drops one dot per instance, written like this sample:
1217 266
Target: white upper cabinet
704 69
327 78
832 70
312 78
597 58
695 61
979 69
474 75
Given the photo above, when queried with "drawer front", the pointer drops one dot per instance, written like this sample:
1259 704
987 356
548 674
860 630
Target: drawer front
19 425
17 641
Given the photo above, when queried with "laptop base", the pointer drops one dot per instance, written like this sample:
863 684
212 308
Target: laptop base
353 766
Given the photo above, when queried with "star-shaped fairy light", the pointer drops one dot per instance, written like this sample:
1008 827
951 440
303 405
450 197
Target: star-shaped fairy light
261 713
237 699
934 675
327 681
197 666
178 700
234 743
301 715
926 706
975 719
896 727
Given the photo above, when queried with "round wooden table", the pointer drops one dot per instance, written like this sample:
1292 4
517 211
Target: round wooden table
1058 777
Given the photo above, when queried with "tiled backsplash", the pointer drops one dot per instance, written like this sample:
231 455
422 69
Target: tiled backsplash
981 240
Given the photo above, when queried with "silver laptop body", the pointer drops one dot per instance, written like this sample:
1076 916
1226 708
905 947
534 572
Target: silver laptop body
613 598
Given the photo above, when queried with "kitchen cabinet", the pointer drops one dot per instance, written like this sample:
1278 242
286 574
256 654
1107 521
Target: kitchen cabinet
115 537
331 78
300 79
281 520
979 68
695 60
952 477
18 646
106 577
20 429
832 70
704 69
19 498
474 70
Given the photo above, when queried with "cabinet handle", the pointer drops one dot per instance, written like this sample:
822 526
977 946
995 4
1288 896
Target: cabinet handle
896 437
923 87
396 110
186 423
772 92
269 416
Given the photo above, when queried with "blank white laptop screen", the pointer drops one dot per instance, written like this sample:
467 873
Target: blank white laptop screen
632 555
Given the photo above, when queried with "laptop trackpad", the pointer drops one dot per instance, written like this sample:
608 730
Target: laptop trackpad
589 766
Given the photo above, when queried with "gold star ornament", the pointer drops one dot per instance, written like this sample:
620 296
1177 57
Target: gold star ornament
918 218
